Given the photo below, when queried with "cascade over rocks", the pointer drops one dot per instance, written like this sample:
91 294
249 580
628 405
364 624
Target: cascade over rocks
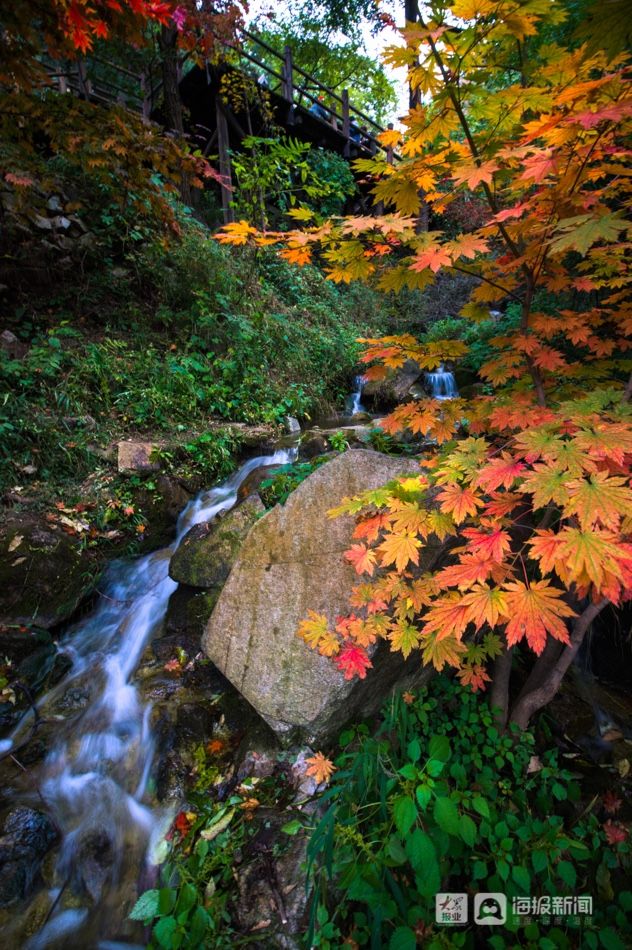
291 562
397 385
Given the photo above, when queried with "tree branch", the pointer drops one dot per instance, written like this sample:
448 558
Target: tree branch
533 701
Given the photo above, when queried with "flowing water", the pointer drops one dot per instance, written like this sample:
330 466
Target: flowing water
354 400
94 779
442 383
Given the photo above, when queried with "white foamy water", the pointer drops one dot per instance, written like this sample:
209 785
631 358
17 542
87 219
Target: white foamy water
94 779
442 383
354 400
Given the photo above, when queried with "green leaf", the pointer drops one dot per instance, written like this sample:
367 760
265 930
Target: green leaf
414 750
522 878
447 816
404 813
146 907
420 850
187 897
610 940
434 767
292 827
479 870
198 925
559 791
423 795
395 850
164 931
439 748
480 805
166 899
567 872
539 861
468 830
403 939
582 231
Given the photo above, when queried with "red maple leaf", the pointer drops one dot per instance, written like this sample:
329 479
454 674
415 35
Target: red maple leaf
616 833
353 661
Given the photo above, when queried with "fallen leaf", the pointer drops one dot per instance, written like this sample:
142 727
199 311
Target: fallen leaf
15 542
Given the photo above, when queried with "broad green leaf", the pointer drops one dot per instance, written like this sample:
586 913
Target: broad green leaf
468 830
403 939
164 931
404 813
447 816
146 907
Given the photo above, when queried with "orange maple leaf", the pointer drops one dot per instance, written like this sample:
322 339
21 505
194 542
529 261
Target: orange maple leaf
320 768
399 549
474 175
459 501
502 471
535 610
475 677
362 558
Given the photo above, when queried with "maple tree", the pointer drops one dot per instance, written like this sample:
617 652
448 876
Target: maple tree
528 480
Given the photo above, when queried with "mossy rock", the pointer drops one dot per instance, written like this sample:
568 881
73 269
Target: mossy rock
44 572
207 552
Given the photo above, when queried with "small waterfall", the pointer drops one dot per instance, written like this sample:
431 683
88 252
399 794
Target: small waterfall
95 778
442 383
354 400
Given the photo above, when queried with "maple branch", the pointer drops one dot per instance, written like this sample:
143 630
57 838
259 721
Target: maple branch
627 392
536 699
499 694
491 200
493 283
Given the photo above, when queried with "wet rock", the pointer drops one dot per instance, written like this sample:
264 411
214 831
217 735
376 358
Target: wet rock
93 863
292 425
161 507
195 721
207 552
290 563
313 445
44 572
187 615
27 835
272 901
137 457
251 484
14 348
396 387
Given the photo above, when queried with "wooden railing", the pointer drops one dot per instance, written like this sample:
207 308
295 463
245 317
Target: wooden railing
354 132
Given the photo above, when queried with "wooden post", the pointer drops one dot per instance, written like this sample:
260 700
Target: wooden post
287 88
145 91
224 161
288 79
85 86
346 123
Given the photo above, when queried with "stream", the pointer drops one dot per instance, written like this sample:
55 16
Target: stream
94 781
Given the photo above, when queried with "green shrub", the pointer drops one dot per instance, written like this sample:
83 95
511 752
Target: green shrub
438 800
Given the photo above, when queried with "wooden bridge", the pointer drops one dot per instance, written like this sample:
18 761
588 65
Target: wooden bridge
280 95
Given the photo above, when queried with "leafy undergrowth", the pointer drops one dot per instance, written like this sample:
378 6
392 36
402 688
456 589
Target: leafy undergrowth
202 855
437 800
167 344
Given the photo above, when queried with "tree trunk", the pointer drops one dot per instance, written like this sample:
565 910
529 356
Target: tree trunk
174 117
530 702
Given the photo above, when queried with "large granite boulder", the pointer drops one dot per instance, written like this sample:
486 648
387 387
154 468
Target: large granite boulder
291 562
